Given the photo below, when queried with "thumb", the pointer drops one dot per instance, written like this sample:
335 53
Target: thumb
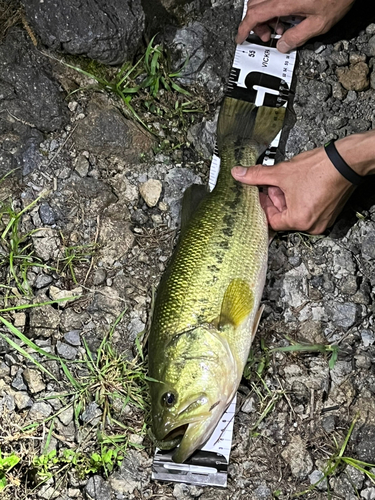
297 36
257 175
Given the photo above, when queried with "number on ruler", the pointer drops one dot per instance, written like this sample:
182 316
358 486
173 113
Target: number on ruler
251 53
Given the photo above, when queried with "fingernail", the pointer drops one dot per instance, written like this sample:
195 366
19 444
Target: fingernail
239 171
283 47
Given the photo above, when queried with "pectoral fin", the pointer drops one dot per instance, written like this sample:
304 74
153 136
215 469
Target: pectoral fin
237 303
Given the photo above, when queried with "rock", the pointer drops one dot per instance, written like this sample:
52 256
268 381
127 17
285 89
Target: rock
57 294
319 90
340 371
368 246
203 136
46 244
109 32
151 191
263 492
48 491
82 166
368 337
136 326
342 314
34 380
28 90
18 382
115 236
176 181
365 447
92 414
355 77
73 338
298 458
105 131
132 474
343 487
22 400
329 423
338 92
372 79
349 285
44 321
71 320
98 489
66 416
316 476
66 351
95 192
4 371
100 276
42 280
371 46
39 411
46 214
340 58
368 494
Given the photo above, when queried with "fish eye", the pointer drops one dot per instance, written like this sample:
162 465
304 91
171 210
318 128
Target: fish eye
168 399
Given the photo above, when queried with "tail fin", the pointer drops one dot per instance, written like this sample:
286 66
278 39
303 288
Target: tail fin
241 122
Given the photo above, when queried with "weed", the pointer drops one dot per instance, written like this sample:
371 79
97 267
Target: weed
332 350
337 462
6 464
74 255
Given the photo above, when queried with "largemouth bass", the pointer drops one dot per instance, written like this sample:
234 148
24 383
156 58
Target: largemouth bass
206 310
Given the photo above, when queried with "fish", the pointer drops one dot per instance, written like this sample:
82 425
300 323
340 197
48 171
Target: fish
206 310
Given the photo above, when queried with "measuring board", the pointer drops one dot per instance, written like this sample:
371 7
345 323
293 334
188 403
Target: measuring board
262 75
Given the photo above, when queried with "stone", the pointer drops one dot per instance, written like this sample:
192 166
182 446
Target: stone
48 491
34 380
342 314
371 46
42 280
98 489
39 411
92 414
109 32
338 91
73 338
136 326
355 77
71 320
82 166
368 246
57 294
340 58
365 447
4 370
329 423
320 90
105 131
151 191
18 382
177 180
100 275
316 476
368 337
343 487
46 244
298 458
46 214
29 92
132 474
263 492
44 321
66 416
66 351
368 494
116 238
22 400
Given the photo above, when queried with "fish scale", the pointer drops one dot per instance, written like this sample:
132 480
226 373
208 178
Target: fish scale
206 308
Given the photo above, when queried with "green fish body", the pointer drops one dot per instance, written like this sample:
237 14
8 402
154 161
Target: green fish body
207 306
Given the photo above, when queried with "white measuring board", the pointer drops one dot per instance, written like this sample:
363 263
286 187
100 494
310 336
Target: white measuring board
262 75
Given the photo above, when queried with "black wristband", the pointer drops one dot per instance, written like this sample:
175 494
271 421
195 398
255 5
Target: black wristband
340 164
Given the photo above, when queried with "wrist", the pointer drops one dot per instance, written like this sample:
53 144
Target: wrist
358 150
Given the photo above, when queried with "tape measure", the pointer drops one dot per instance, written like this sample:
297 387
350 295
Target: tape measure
262 75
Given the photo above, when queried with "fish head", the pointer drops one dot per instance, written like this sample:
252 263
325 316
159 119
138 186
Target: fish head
195 385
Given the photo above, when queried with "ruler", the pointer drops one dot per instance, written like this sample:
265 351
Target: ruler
262 75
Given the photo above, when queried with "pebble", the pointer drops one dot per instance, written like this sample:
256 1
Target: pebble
66 416
18 382
263 492
82 166
136 326
355 77
100 276
39 411
298 458
368 337
329 423
4 370
34 380
22 400
46 214
98 489
368 493
57 294
92 414
42 280
66 351
316 476
151 191
368 246
73 337
371 46
342 314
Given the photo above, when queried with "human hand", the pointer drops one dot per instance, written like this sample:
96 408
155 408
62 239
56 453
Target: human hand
307 193
319 16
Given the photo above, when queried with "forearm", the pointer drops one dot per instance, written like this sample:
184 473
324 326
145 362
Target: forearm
358 150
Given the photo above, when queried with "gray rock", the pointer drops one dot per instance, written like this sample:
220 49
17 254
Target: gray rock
132 474
42 280
46 214
203 136
100 275
371 46
66 416
39 411
7 402
343 487
92 414
329 423
368 247
73 337
46 244
71 320
28 90
65 350
342 314
349 285
34 380
44 321
355 476
136 326
320 90
18 382
115 235
22 400
139 217
98 489
262 492
82 166
105 131
316 476
5 370
48 491
340 58
298 458
176 181
368 494
368 337
365 448
109 32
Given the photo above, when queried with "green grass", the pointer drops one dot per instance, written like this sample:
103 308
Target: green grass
7 462
337 463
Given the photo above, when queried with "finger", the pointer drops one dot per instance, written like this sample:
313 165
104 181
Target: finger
257 175
277 197
262 12
297 36
277 26
263 31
